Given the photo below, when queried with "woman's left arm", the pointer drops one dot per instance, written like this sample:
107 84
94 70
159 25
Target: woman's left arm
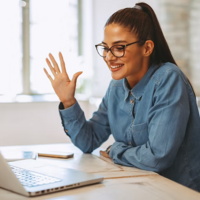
167 124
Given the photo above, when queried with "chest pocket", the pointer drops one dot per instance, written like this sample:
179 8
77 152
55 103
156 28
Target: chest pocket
140 134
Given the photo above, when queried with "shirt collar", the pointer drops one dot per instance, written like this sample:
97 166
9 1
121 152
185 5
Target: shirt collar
139 88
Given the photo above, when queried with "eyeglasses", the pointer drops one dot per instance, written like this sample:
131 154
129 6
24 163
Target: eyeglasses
117 50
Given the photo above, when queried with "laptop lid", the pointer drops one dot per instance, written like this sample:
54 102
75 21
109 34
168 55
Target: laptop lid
8 180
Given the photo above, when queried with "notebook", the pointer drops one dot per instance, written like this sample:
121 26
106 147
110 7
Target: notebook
43 179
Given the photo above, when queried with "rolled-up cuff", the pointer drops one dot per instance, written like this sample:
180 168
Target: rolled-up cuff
71 113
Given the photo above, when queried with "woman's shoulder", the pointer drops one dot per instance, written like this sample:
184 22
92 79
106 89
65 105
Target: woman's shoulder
166 68
169 71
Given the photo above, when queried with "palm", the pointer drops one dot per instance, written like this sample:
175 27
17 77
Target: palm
62 85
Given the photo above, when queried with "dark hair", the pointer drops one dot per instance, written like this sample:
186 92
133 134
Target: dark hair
145 25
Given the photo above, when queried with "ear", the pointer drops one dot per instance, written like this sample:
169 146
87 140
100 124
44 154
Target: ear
148 48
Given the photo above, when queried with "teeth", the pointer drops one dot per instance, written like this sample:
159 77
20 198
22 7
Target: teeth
113 67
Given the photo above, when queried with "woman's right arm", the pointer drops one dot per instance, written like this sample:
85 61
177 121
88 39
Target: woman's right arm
86 135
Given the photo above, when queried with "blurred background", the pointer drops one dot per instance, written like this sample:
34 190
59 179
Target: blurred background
31 29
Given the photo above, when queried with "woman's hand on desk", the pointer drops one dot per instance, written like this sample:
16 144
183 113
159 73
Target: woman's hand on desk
104 154
62 85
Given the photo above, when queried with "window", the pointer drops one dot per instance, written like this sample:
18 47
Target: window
31 30
53 28
10 48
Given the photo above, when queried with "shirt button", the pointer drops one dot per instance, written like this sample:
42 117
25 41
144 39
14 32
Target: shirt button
130 143
132 101
66 130
131 93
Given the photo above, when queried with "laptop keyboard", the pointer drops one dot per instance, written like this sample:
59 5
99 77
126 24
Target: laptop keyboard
32 179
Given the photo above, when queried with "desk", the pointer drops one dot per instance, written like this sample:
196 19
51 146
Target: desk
120 182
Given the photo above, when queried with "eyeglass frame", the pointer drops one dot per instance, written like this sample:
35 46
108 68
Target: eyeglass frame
123 45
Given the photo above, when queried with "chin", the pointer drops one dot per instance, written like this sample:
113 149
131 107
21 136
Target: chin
115 77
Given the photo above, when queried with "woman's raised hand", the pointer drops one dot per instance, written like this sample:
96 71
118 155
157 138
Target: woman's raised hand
62 85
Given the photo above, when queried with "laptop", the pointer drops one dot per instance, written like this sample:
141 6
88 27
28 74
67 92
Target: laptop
42 179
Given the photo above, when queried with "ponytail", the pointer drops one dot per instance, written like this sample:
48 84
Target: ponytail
161 53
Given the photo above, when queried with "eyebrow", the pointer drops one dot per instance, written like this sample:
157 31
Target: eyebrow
116 42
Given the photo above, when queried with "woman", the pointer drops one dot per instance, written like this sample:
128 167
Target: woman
149 107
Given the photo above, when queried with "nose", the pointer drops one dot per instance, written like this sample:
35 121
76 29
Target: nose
110 56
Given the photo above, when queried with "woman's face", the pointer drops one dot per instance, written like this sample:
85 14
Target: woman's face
131 65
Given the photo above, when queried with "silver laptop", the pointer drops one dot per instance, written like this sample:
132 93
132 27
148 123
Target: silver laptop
43 179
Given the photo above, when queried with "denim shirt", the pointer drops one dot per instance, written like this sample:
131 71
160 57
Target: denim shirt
156 125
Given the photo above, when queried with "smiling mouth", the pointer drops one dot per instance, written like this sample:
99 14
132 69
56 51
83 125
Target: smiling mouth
116 66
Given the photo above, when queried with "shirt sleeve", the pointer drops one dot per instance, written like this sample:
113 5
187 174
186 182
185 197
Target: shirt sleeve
167 123
86 135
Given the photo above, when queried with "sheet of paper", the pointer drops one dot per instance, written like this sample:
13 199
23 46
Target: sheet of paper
18 155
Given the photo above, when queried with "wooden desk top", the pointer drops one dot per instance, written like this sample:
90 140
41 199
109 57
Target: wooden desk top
120 182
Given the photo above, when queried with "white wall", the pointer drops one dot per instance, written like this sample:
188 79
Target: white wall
35 123
30 123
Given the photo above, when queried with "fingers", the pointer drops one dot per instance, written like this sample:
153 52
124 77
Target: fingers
48 75
62 63
50 67
54 63
74 79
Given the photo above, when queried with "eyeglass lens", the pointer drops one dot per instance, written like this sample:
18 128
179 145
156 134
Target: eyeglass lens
117 50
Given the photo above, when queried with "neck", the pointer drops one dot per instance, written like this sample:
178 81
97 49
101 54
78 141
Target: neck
134 80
